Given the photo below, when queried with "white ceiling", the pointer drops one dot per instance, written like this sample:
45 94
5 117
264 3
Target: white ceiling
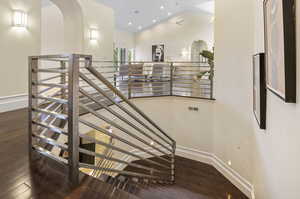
149 10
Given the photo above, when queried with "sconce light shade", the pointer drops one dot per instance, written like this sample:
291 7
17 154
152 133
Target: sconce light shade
19 19
94 34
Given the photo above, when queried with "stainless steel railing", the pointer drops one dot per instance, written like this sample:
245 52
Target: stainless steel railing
70 102
152 79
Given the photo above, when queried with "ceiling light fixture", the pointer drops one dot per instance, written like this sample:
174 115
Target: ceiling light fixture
169 14
162 7
140 27
154 21
130 23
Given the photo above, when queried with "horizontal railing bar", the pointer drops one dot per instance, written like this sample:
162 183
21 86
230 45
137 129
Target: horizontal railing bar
51 127
185 66
48 116
48 89
152 82
153 91
117 92
57 115
50 71
166 62
50 141
50 155
45 101
121 150
130 124
202 93
87 152
50 78
145 80
188 70
128 173
120 95
121 129
52 99
191 87
188 75
148 96
147 87
51 85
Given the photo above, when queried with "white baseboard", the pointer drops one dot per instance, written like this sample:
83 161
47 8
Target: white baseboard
235 178
205 157
14 102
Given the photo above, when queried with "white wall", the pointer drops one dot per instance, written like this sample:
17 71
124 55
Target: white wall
124 39
16 45
99 17
268 159
233 139
276 149
190 129
52 29
196 26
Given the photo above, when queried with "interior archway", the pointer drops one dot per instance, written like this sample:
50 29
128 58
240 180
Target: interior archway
197 48
72 25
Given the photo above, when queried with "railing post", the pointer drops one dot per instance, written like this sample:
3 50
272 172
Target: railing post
129 81
32 102
63 81
115 80
171 78
212 81
73 120
173 163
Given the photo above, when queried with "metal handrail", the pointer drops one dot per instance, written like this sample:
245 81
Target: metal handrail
119 94
85 88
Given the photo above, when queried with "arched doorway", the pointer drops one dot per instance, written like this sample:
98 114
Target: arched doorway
62 27
197 48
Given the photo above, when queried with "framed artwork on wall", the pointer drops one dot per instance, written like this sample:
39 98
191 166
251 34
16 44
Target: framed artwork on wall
280 48
158 53
259 89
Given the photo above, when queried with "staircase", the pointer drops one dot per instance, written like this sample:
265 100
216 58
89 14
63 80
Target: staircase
82 120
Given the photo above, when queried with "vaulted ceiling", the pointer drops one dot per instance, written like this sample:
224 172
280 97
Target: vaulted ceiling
137 15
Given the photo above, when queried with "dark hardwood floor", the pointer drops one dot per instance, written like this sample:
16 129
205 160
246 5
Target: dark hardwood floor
19 180
194 180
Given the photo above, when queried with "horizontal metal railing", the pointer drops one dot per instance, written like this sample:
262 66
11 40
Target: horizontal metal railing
71 99
152 79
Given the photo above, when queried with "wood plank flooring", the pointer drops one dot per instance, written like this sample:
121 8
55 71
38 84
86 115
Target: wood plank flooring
19 180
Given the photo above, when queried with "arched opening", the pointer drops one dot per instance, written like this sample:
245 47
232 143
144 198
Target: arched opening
52 29
196 49
61 27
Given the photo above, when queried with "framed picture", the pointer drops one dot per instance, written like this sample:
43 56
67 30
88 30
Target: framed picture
158 53
259 89
280 48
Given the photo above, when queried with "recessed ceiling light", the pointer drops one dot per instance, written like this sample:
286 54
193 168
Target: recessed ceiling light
140 27
130 23
169 14
154 21
162 7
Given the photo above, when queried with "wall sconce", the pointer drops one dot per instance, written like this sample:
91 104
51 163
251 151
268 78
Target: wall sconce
19 19
94 34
